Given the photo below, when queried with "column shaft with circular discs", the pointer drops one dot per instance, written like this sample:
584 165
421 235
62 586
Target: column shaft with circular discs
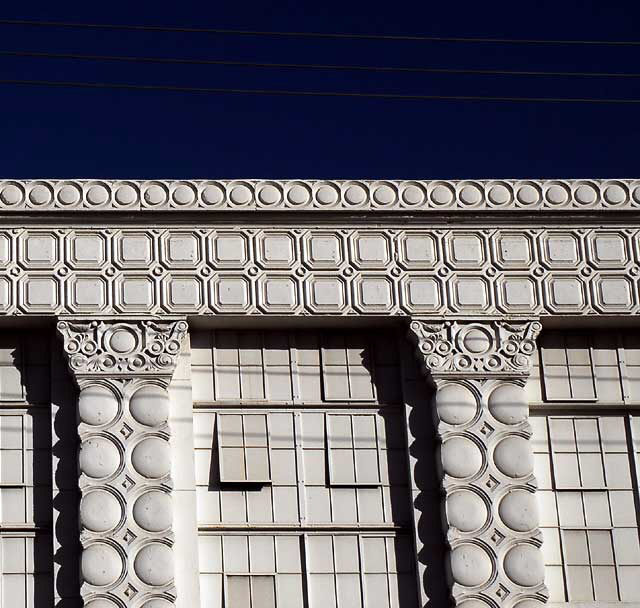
479 371
124 460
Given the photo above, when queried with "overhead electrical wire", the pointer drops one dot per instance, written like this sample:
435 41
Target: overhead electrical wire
390 96
234 32
308 66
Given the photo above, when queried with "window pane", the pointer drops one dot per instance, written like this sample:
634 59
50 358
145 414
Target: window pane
263 593
238 592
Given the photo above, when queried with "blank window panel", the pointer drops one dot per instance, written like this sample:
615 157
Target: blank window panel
364 432
263 592
562 435
11 388
238 592
11 432
628 577
227 382
232 465
342 467
575 547
605 586
339 431
257 460
587 435
566 471
614 434
346 554
322 591
596 509
374 554
348 590
283 467
591 471
288 559
617 471
252 382
262 556
336 383
579 584
320 554
281 430
600 547
230 433
255 430
367 467
626 546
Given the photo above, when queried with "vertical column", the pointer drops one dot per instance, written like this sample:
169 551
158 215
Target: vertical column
123 371
479 371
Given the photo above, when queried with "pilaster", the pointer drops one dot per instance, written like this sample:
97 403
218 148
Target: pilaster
123 370
478 371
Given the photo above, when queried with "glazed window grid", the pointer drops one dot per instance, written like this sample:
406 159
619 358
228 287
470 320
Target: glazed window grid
243 448
301 489
317 569
602 367
295 367
580 513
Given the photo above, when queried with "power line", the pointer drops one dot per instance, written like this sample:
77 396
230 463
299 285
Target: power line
390 96
308 66
408 38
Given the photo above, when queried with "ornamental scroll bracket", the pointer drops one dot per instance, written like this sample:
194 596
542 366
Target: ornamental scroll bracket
479 371
123 370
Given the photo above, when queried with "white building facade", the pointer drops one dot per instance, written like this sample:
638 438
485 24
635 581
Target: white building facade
335 394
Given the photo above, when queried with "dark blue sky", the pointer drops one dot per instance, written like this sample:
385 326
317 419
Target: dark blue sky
48 132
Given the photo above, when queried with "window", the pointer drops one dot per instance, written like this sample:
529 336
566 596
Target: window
358 571
577 453
346 364
585 474
243 444
255 591
567 367
352 442
11 388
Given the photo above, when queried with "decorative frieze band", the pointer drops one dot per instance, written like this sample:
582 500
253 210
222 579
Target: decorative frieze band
124 462
348 271
486 461
315 195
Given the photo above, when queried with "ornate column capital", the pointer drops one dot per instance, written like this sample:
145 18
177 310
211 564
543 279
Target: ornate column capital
479 370
122 349
123 370
475 349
